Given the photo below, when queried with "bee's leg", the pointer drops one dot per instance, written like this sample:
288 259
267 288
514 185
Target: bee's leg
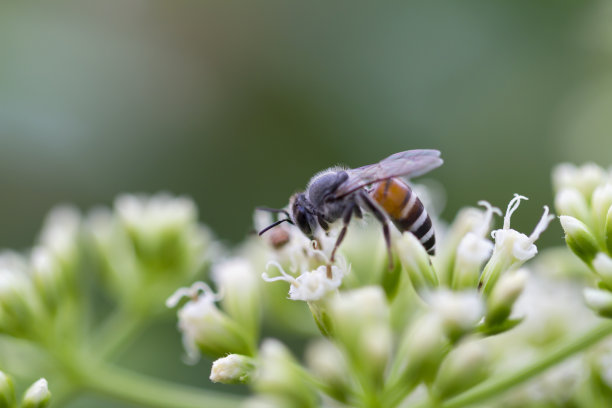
346 219
380 216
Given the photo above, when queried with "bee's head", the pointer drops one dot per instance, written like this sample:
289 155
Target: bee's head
302 214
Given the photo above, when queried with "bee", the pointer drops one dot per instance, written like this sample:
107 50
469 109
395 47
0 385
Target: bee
338 193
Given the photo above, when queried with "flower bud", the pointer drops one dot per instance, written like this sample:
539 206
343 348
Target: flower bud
329 365
569 201
360 320
7 391
416 261
239 283
464 367
601 204
20 308
599 300
355 311
48 277
459 312
280 375
608 231
37 396
503 296
232 369
603 267
207 329
467 220
60 235
420 352
472 252
584 179
579 238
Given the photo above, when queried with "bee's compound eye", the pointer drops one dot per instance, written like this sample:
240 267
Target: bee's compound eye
302 219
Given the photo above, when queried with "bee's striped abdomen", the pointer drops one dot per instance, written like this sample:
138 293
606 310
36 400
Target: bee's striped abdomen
405 210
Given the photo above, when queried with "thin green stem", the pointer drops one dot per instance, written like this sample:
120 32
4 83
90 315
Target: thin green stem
121 326
145 391
503 383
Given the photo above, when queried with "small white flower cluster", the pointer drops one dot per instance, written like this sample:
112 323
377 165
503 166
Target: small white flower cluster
584 200
149 244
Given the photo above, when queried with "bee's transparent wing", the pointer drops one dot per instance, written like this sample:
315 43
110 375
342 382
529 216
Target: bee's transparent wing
411 163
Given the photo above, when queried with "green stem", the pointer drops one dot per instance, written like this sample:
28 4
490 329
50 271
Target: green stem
503 383
150 392
117 329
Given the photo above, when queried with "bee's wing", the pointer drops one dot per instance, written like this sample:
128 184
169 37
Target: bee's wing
411 163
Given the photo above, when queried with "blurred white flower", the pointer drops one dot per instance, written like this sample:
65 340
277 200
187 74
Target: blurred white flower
473 250
205 327
37 396
151 215
458 312
584 178
60 233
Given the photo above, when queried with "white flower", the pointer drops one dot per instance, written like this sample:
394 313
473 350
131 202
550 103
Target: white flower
458 311
205 327
512 248
521 246
310 285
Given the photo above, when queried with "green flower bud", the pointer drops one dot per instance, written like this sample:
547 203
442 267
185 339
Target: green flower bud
20 309
459 312
465 366
37 396
601 204
599 300
232 369
503 296
361 325
280 375
570 201
603 267
354 311
579 238
416 261
329 365
420 352
239 284
608 231
7 391
466 221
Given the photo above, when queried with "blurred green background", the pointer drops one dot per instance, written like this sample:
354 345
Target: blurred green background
237 104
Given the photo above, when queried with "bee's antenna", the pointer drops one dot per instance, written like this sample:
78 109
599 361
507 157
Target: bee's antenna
275 224
273 210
